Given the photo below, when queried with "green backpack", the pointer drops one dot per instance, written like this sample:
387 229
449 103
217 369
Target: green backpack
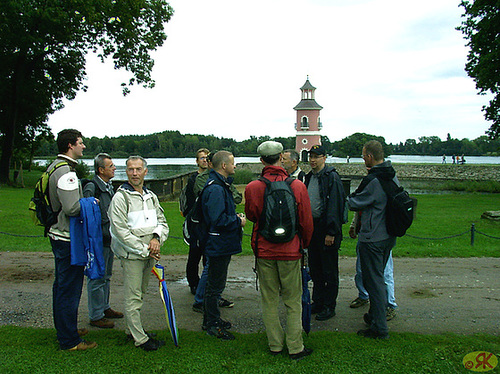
40 210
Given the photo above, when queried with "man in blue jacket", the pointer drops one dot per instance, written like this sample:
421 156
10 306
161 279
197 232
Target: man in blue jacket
223 239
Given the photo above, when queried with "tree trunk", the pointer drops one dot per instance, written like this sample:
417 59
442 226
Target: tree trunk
7 149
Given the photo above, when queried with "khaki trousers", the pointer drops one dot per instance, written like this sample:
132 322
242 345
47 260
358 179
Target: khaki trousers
283 277
136 275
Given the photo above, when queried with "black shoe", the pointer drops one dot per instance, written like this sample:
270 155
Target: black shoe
327 313
316 308
299 356
275 353
220 333
198 307
226 325
149 334
151 345
367 319
369 333
223 303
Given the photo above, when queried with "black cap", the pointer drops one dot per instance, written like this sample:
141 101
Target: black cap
318 149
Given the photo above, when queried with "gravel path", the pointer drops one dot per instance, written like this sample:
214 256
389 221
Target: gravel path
435 295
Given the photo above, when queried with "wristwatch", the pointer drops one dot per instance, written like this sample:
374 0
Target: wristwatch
156 236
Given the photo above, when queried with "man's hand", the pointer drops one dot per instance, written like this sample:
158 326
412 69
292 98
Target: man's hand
352 232
154 248
329 240
243 219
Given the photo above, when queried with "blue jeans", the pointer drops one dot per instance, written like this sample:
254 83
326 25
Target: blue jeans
66 293
202 284
216 282
98 289
373 258
388 277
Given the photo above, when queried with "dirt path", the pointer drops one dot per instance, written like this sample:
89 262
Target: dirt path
435 295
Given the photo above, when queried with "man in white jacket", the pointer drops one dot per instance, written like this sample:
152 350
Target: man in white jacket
138 229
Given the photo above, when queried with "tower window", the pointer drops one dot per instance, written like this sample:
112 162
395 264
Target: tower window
304 123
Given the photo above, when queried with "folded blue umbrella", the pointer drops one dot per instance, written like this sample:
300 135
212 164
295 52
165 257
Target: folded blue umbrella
159 271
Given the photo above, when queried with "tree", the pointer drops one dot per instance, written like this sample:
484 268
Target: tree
353 145
482 29
43 49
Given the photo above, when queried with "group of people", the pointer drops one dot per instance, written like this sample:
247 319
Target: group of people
134 229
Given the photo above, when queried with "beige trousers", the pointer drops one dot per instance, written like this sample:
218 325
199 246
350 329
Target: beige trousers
283 277
136 275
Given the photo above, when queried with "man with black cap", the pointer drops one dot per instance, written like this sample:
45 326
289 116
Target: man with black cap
278 263
327 204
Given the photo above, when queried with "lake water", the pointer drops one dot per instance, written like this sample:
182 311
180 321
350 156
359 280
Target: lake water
159 168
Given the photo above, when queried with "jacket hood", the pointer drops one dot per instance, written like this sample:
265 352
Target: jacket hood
128 187
384 170
275 171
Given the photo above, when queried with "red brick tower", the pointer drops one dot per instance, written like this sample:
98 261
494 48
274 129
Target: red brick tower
308 123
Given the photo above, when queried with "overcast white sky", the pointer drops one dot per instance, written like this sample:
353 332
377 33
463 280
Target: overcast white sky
234 68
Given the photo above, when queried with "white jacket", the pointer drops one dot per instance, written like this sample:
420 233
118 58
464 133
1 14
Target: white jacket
134 219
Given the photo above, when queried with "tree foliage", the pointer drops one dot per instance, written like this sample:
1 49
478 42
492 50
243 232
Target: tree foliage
481 27
43 50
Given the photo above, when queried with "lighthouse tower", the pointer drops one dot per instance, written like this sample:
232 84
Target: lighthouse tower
308 123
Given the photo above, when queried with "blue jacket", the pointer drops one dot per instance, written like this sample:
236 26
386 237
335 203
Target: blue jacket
86 239
219 213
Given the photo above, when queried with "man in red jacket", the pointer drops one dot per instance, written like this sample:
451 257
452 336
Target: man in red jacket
278 264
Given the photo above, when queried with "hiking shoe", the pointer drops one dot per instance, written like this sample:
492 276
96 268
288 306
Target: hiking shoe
226 325
326 314
220 333
275 353
83 346
299 356
151 345
103 323
369 333
149 334
223 303
110 313
198 307
390 313
358 302
82 332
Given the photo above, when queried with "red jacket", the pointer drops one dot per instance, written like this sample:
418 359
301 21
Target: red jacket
254 204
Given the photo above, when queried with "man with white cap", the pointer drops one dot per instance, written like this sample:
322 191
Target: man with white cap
278 263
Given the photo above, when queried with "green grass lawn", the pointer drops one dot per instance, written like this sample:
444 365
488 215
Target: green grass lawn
29 350
438 216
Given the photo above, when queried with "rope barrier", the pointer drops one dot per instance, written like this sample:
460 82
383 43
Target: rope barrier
472 231
444 237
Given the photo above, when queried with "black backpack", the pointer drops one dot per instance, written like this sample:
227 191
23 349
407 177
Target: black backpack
279 219
194 228
399 208
40 210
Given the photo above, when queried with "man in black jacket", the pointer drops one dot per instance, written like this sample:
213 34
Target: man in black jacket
327 204
195 252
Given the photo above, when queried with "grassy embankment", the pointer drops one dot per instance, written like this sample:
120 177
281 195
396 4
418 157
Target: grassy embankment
32 350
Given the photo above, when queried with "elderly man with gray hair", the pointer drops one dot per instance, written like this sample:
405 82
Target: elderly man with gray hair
98 290
290 162
138 229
